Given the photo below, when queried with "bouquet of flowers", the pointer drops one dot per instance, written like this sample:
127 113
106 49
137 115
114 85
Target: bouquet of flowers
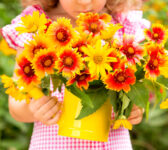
91 63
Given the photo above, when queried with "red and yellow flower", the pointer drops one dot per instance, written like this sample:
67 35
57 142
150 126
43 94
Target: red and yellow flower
120 79
82 79
61 33
159 34
132 50
69 62
156 65
92 23
44 62
38 43
25 72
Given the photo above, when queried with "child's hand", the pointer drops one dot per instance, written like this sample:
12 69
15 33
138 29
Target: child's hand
46 110
136 115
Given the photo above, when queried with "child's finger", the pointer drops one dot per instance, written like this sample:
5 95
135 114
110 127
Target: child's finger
44 109
52 112
55 119
47 106
36 104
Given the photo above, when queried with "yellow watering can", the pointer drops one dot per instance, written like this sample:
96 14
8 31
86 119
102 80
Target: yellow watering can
93 127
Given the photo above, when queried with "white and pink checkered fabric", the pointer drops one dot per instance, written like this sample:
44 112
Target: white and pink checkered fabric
46 137
133 24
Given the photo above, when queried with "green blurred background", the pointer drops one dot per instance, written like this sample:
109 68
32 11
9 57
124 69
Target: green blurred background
149 135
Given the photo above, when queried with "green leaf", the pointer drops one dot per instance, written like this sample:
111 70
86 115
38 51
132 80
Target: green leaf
113 99
128 109
45 85
97 98
147 110
139 94
121 94
125 102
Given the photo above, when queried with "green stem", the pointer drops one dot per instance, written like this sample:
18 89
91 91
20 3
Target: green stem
161 85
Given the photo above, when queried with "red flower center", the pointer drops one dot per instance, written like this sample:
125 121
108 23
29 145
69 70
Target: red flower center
28 71
155 36
153 64
129 52
68 61
82 77
94 27
62 35
47 61
120 77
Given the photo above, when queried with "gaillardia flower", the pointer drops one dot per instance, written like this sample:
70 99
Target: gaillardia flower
38 43
98 58
44 62
69 62
120 79
92 23
25 72
156 65
132 50
159 34
32 23
61 33
82 79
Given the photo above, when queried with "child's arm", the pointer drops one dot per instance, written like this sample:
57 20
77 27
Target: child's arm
46 109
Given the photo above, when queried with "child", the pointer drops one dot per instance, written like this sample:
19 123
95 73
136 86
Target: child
41 111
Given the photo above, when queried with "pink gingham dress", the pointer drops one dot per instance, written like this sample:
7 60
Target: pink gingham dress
46 137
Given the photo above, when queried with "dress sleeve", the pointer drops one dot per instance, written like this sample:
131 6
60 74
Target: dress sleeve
133 23
9 33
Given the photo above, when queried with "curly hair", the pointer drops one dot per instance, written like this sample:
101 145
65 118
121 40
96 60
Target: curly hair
112 6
